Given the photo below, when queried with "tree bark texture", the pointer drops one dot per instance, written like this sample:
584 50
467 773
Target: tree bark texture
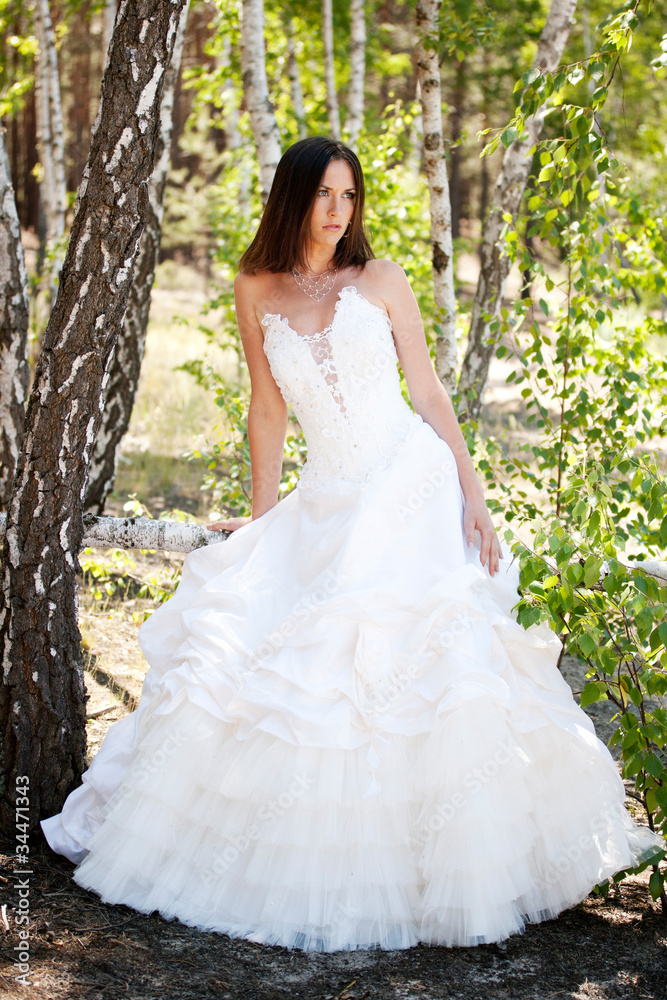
506 197
14 368
256 91
435 165
129 353
42 700
50 126
355 100
329 71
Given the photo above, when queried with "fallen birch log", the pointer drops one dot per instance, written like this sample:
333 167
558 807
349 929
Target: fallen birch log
142 533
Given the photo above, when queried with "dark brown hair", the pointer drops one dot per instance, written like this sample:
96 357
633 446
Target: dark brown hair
283 229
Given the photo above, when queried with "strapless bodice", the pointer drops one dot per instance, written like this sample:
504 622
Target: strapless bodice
344 388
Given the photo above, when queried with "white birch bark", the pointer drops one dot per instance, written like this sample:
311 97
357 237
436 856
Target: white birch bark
108 18
329 72
141 533
255 87
14 368
294 78
506 197
50 140
435 164
355 100
128 356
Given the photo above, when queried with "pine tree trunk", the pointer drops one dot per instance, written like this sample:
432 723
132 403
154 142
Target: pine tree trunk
50 140
256 91
294 78
128 356
506 197
14 368
42 698
329 73
435 165
355 101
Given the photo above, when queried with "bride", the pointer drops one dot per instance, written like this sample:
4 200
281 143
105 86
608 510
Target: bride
345 739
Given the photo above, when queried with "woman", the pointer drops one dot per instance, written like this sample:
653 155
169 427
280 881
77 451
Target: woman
345 739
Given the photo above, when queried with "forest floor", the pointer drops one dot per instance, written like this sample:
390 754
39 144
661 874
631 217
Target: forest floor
604 948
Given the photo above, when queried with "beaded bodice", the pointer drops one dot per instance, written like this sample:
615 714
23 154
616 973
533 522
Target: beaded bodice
344 388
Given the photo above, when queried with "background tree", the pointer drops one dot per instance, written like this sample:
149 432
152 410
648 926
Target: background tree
129 351
355 99
329 69
14 372
435 165
50 138
506 199
42 707
260 109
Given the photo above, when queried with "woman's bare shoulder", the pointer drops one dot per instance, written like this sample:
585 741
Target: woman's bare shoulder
385 274
384 282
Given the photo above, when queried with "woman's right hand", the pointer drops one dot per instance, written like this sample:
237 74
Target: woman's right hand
230 524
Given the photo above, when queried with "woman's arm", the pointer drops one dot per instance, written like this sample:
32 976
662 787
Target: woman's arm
267 413
431 401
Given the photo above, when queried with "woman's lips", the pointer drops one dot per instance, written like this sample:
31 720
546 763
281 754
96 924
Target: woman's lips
334 227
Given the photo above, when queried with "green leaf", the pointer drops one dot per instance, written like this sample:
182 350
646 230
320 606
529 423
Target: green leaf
546 173
508 136
590 694
656 884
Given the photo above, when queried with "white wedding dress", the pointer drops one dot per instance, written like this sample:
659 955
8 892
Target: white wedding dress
345 739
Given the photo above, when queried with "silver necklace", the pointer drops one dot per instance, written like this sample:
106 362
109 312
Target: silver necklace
312 284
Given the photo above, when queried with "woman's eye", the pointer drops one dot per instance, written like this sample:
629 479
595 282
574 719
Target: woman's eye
350 194
322 191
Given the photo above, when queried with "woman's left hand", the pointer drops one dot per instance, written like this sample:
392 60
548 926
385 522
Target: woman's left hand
476 517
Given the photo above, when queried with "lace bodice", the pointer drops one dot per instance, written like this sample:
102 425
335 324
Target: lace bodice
344 388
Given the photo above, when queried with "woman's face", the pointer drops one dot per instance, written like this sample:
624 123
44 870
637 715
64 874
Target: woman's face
334 205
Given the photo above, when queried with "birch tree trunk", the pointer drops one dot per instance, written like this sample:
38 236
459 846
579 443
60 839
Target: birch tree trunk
255 88
131 343
42 699
14 368
506 197
294 78
50 142
435 164
329 73
108 18
355 101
